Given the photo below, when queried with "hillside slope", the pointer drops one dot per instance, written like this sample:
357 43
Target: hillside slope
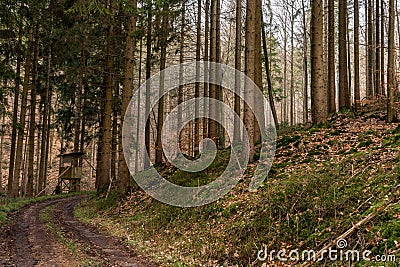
324 180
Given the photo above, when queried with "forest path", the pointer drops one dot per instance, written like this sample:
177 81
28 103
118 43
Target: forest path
48 234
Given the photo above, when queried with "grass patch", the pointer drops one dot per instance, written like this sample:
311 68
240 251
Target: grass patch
297 211
12 204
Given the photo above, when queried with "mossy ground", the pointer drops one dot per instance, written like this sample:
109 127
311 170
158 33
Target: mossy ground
324 180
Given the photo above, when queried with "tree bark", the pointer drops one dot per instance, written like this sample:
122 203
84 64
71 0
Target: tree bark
305 65
319 94
146 162
391 71
15 112
103 171
370 76
160 115
331 57
343 75
378 85
197 84
238 67
127 91
356 54
268 74
13 191
32 121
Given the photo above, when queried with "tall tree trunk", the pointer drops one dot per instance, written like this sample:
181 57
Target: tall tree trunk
251 52
146 162
127 91
238 67
1 151
285 113
305 65
15 112
181 61
356 54
103 172
32 121
378 85
292 111
46 128
331 57
343 77
138 103
197 84
391 71
212 124
370 78
268 74
319 94
382 68
206 59
258 103
14 190
160 115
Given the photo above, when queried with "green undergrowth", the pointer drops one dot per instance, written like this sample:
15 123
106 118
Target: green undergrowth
303 209
8 205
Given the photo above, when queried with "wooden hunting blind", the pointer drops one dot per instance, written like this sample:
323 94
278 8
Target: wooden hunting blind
70 172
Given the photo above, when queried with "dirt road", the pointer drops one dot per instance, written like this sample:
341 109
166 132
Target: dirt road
48 234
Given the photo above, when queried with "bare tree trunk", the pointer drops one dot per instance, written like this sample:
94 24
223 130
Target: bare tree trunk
238 67
14 189
15 112
45 129
268 74
331 57
391 71
250 68
285 113
148 74
370 78
343 76
206 70
305 65
127 91
32 122
138 109
382 46
197 84
356 54
1 151
160 115
292 65
377 50
103 172
319 94
212 124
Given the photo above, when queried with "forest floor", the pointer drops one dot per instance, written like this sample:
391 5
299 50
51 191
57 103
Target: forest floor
338 180
46 233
